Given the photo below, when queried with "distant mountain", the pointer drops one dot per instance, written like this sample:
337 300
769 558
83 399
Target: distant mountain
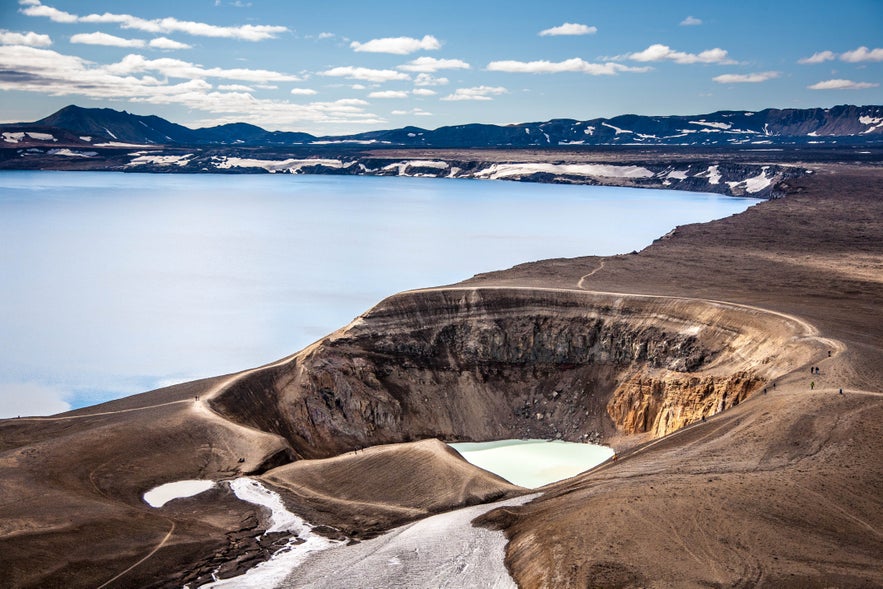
840 124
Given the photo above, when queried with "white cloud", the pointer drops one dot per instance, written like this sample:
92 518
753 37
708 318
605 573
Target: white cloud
745 78
36 9
176 68
303 91
235 88
397 45
366 74
423 92
476 93
819 57
569 28
419 112
388 94
569 65
427 80
159 25
359 87
838 84
351 102
166 43
862 54
30 39
659 52
691 21
326 35
431 64
25 398
98 38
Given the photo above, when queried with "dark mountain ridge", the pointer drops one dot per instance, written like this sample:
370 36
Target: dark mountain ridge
844 124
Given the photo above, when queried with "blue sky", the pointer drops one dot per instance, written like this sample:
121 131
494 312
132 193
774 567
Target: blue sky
346 66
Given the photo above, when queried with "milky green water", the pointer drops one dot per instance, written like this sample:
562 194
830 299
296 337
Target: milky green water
533 463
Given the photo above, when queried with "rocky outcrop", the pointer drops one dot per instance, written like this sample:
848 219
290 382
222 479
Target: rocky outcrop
479 364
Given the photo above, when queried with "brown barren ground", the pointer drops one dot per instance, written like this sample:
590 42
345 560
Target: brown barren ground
785 490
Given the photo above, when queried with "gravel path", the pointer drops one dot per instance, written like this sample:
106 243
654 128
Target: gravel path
444 550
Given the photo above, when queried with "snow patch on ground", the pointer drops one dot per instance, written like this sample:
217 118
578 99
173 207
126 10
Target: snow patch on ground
617 129
161 160
703 122
71 153
712 173
590 130
875 122
10 137
41 136
272 572
402 167
753 184
273 166
497 171
676 175
121 144
159 496
86 138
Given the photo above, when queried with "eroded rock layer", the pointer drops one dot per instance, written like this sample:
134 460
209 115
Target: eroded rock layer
478 364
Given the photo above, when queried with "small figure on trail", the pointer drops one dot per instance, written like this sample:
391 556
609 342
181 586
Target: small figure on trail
812 369
703 417
818 370
812 385
613 458
829 353
841 391
764 391
774 385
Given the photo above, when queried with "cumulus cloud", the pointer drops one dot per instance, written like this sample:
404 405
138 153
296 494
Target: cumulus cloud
50 73
862 54
98 38
176 68
366 74
819 57
325 36
423 92
427 80
388 94
569 65
691 21
431 64
157 26
476 93
659 52
303 91
745 78
397 45
166 43
30 39
839 84
569 28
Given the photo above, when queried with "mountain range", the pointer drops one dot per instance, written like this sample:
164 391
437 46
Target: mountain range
845 124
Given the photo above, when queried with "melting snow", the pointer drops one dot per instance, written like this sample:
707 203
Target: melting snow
722 126
161 160
875 122
590 130
677 175
272 572
109 132
755 183
159 496
9 137
41 136
497 171
403 166
69 153
273 166
617 129
713 175
86 138
120 144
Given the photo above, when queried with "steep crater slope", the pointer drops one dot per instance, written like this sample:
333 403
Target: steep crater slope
480 364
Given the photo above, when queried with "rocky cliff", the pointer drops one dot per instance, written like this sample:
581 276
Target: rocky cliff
479 364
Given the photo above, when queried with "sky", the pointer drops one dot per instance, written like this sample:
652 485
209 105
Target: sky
345 66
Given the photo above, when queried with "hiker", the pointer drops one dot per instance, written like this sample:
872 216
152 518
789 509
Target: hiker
841 391
812 385
764 391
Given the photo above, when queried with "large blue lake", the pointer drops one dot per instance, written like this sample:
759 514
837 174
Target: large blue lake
114 284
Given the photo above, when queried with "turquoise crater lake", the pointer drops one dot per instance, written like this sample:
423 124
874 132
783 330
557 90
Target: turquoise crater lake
115 284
